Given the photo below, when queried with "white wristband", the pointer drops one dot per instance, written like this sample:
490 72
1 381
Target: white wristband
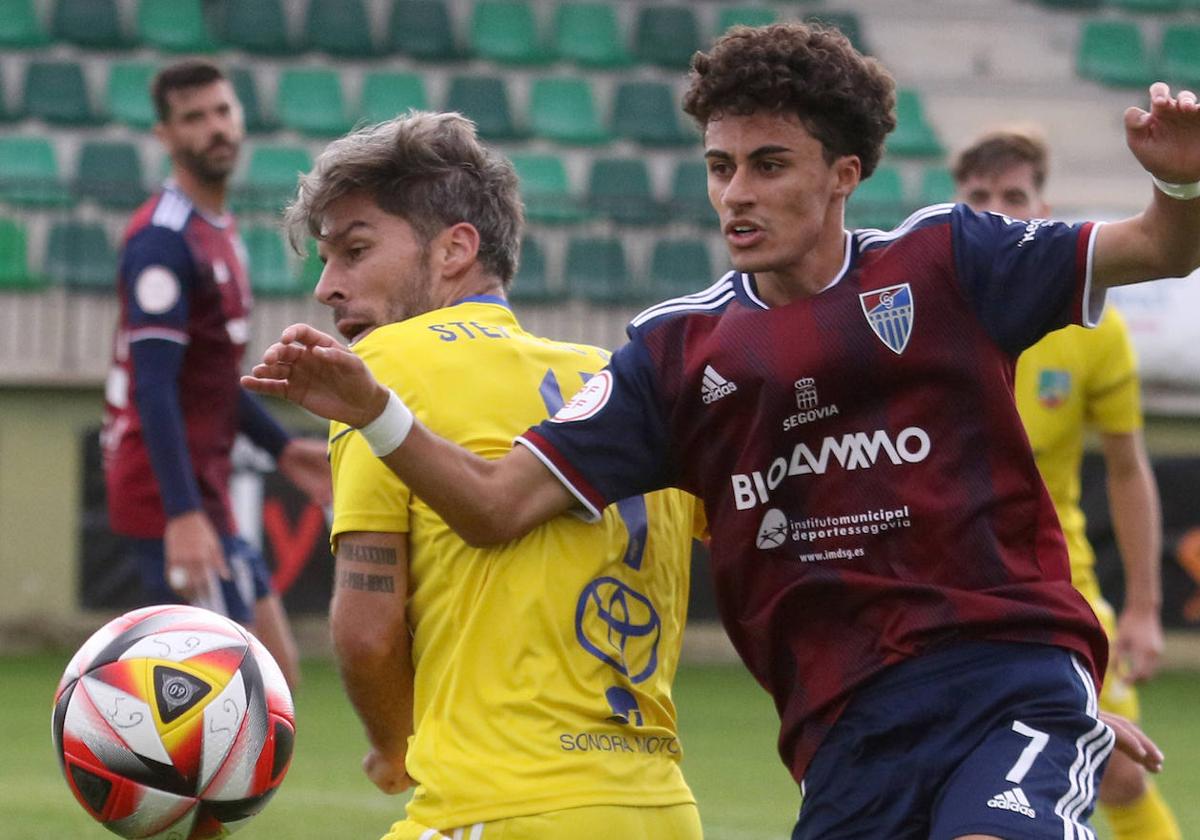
1183 192
387 431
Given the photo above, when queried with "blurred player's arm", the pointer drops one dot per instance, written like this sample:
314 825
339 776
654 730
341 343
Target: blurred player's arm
485 501
1164 239
371 640
1137 522
302 461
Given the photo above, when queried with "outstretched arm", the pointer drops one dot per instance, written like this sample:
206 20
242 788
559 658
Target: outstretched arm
1137 521
486 502
1164 239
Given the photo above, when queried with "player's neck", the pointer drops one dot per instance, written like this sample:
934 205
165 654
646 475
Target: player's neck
207 196
809 275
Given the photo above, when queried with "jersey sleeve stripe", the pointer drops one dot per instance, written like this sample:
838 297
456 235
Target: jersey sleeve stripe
714 297
1089 306
172 211
587 495
162 333
868 237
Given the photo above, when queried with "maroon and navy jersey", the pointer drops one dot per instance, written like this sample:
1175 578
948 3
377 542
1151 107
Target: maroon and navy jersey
181 279
868 483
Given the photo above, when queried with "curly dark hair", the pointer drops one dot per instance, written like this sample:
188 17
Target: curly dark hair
846 100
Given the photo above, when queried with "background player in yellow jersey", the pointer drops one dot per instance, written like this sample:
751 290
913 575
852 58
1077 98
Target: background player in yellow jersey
1072 381
539 684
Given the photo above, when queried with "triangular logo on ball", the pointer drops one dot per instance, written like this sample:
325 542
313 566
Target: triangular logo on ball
176 692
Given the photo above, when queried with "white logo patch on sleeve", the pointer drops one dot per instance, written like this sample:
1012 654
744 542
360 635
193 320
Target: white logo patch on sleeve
590 399
156 290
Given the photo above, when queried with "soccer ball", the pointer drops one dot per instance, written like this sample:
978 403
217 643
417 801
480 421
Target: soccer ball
173 723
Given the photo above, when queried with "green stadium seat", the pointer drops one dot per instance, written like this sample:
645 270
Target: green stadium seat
339 27
128 94
666 36
309 100
847 22
174 26
267 264
56 92
20 27
619 189
689 194
1112 52
1179 58
29 173
729 16
914 135
80 256
647 112
387 94
506 31
1147 6
89 23
485 100
111 173
598 272
257 27
272 176
680 267
15 275
937 186
246 88
590 35
532 283
6 114
878 202
546 189
423 30
564 111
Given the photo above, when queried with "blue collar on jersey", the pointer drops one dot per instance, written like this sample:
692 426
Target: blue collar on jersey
483 299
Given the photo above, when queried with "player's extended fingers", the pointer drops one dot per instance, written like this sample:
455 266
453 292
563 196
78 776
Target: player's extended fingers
306 335
263 385
1187 101
1133 742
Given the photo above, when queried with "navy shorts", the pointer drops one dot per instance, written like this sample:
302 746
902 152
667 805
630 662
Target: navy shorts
980 738
250 579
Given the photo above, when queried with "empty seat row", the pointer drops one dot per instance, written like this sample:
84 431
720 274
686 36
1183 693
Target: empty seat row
1134 6
561 109
506 31
1115 52
81 256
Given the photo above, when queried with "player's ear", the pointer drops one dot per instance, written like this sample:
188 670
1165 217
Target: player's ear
847 171
456 249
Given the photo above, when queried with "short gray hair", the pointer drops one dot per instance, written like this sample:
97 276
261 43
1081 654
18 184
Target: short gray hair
427 168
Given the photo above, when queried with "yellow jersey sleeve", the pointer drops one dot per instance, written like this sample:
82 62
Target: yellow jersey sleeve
1113 389
367 496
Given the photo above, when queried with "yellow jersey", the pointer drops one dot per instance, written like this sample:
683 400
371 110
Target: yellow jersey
1073 380
544 666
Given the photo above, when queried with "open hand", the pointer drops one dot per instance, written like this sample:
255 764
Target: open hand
311 369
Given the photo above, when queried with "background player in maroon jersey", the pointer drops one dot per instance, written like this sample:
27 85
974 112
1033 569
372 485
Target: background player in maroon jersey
173 402
889 568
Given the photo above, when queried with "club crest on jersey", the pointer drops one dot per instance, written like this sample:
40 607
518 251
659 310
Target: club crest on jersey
890 313
1053 388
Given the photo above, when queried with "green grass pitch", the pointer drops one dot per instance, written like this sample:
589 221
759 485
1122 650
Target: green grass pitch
728 729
